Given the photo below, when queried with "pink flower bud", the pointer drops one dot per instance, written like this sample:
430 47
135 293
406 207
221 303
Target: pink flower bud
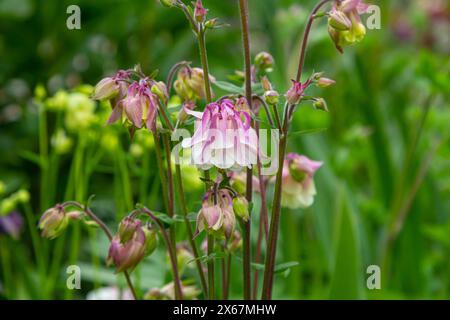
295 93
200 11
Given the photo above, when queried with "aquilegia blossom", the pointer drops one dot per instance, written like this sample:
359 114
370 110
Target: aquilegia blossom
223 137
298 184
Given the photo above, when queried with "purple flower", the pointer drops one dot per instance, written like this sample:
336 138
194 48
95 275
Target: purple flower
298 184
295 93
223 137
139 107
11 224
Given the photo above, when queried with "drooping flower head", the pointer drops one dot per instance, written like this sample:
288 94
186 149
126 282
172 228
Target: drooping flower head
216 215
344 22
139 107
298 184
190 84
132 243
223 137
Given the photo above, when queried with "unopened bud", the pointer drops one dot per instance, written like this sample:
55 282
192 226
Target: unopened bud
106 89
240 208
324 82
127 228
53 222
320 104
160 89
272 97
339 20
211 23
267 86
151 240
168 3
200 11
264 61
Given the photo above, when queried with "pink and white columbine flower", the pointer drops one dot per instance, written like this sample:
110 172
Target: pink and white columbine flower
223 137
139 106
217 215
298 184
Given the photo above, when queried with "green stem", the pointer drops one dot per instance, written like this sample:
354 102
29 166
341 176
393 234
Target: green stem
188 228
243 9
211 276
204 61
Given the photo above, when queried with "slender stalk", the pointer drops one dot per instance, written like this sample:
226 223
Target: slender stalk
204 61
243 10
161 171
108 234
211 276
172 253
276 210
189 231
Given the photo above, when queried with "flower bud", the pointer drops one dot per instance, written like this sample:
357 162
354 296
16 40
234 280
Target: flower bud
211 23
53 222
106 89
126 256
320 104
200 11
339 20
229 222
127 228
187 106
267 86
264 61
324 82
151 240
240 208
272 97
160 89
168 3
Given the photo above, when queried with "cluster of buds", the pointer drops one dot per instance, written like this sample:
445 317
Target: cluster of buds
190 84
132 243
217 215
344 22
298 184
55 220
135 102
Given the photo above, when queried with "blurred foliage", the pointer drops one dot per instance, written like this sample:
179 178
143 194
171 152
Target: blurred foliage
383 194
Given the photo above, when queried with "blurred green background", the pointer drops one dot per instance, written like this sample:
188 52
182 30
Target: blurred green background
383 193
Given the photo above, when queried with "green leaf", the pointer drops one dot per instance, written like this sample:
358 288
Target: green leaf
347 276
309 131
229 87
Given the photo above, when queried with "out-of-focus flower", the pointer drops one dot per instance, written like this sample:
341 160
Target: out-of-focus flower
344 22
200 11
160 89
238 181
190 84
11 224
264 61
138 108
223 137
61 142
298 184
58 102
168 292
217 215
109 293
110 87
236 242
53 222
2 188
80 112
132 243
184 257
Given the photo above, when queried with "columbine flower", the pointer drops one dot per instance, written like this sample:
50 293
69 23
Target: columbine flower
126 250
344 22
295 93
200 11
217 215
298 184
190 84
223 138
110 87
139 107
